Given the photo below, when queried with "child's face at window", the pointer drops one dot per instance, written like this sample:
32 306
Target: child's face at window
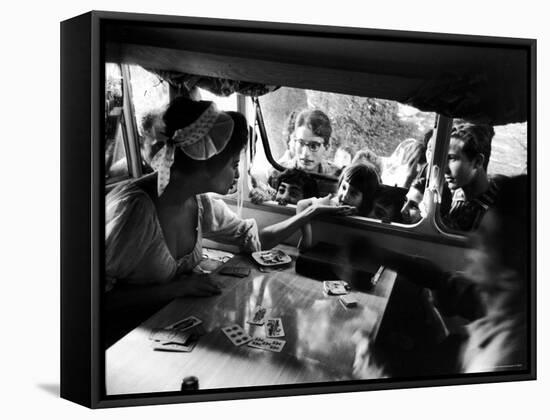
289 193
349 195
309 149
411 209
460 169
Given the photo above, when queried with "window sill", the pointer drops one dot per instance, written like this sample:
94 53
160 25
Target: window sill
425 230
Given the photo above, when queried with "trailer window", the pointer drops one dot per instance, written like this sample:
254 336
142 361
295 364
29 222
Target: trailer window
116 164
385 135
150 96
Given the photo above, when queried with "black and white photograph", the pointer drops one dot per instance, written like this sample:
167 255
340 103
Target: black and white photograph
297 206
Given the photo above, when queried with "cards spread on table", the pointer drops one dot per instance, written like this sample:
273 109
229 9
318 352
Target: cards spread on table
236 334
336 287
185 324
274 327
170 336
258 316
270 344
173 340
348 301
236 271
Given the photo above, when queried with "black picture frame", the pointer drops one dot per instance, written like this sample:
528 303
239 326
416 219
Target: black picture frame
82 207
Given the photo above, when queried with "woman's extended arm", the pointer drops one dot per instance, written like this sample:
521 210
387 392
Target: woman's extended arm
272 235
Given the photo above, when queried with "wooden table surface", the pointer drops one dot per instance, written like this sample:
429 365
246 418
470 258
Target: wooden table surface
318 334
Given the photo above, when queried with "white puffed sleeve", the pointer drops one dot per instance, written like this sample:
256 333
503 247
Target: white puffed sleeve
220 223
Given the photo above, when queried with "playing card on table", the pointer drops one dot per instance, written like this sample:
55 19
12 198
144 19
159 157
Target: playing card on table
185 324
170 336
274 327
258 316
173 340
348 301
165 346
236 334
335 287
270 344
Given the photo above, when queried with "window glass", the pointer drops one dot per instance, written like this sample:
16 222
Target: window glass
478 157
345 131
116 164
509 150
150 96
224 103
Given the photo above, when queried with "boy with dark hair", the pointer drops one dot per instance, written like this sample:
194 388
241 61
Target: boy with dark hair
293 185
466 176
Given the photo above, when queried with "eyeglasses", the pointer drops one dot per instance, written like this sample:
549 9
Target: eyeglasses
314 146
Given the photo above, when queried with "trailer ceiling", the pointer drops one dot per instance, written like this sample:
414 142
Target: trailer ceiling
460 77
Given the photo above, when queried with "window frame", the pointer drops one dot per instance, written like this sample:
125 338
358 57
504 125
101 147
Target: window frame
130 133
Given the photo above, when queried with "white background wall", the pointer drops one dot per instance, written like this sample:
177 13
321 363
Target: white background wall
29 374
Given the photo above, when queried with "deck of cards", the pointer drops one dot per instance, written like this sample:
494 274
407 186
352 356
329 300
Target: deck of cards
336 287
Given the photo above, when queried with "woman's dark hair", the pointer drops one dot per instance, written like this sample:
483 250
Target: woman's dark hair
364 178
317 121
182 112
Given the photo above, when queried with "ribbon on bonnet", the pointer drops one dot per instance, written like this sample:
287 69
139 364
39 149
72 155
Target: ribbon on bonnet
204 138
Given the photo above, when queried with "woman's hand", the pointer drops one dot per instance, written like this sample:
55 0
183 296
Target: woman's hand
343 210
323 205
201 285
258 195
301 205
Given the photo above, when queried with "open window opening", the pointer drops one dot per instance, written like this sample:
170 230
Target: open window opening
332 137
